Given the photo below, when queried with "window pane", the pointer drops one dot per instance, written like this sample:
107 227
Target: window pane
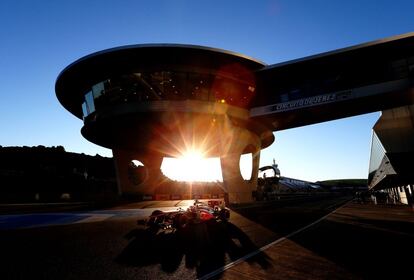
89 102
85 109
97 90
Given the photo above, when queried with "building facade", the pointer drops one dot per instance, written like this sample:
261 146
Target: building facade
392 154
146 102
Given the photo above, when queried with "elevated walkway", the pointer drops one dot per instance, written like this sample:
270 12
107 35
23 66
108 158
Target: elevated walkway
357 241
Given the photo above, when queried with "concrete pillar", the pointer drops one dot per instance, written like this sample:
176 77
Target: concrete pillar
397 189
397 194
152 172
409 196
235 142
410 193
388 198
402 194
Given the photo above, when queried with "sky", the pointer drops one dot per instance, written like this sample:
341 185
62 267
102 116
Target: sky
40 38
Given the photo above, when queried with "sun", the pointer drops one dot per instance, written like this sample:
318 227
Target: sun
192 156
192 166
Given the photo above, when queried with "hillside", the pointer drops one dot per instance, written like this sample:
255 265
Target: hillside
45 173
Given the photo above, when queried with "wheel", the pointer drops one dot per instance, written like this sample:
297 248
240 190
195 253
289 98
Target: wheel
180 221
155 219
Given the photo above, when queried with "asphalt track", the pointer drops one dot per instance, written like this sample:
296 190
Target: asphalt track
108 244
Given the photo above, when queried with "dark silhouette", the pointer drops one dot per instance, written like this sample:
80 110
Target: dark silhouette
204 247
43 174
369 248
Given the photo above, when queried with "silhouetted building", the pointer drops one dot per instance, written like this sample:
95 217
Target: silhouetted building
392 154
149 101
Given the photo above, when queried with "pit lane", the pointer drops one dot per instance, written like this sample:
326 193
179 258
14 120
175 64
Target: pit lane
115 247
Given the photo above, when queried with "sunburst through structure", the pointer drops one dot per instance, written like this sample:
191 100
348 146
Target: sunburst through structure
147 102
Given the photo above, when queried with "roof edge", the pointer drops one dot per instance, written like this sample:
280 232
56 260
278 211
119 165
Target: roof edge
341 50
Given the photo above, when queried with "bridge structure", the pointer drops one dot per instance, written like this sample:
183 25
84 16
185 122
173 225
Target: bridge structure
146 102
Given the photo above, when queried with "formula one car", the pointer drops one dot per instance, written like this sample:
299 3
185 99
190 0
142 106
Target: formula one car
197 213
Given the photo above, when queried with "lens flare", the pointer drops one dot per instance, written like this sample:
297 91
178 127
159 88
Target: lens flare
192 166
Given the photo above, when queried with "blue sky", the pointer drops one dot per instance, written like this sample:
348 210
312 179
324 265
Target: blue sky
40 38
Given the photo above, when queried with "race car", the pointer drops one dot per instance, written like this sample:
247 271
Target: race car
199 212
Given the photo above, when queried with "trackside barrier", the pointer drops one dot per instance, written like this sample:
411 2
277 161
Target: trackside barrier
147 197
186 196
162 197
175 197
216 202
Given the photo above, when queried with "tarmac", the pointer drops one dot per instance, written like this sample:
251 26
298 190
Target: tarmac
356 241
312 239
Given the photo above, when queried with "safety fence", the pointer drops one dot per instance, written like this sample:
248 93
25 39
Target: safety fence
182 196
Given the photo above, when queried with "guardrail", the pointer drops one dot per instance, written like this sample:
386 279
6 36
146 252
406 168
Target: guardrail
182 196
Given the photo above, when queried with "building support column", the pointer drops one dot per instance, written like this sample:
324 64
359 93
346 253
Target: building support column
409 196
152 172
395 195
235 142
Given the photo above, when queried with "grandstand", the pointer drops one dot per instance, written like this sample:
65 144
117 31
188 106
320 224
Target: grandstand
296 185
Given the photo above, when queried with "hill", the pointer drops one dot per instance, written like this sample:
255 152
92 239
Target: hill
45 173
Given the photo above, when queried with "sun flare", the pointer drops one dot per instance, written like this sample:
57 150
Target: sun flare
192 166
192 156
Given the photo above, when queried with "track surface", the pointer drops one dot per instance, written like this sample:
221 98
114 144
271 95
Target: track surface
108 244
356 241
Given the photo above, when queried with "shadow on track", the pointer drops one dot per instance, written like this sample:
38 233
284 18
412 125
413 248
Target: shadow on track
204 247
284 217
369 248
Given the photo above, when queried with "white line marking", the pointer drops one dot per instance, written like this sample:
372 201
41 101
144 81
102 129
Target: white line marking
242 259
94 218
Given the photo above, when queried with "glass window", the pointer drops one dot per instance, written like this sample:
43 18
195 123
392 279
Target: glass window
85 109
168 85
98 89
199 86
171 84
377 153
89 102
233 92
